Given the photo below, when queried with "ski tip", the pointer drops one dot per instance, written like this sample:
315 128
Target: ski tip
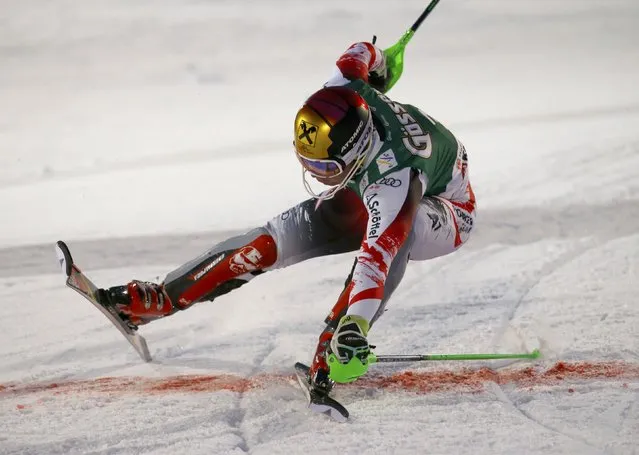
320 404
332 409
535 354
64 257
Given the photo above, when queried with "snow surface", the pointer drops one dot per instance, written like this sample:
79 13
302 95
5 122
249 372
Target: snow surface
142 131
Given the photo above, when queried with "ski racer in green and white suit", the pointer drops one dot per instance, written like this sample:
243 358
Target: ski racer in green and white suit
398 191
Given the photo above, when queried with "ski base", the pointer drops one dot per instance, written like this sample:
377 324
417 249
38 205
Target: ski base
318 403
79 282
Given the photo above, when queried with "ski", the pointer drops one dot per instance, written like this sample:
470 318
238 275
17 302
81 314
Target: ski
79 282
319 403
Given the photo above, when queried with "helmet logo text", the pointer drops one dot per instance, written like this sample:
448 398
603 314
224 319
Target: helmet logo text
352 138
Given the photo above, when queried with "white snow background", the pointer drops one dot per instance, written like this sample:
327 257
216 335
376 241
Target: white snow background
142 132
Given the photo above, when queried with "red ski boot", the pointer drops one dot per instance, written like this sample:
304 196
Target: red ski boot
318 373
140 302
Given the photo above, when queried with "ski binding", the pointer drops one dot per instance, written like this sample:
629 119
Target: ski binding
79 282
319 403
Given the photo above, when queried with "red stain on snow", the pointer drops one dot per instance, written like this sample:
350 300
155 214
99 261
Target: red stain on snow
202 383
428 381
473 380
138 385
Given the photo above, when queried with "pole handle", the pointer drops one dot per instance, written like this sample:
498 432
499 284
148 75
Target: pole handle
395 54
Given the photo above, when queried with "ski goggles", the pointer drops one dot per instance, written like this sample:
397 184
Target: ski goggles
321 167
330 167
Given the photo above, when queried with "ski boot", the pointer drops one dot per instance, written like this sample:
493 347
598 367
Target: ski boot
318 375
138 302
349 350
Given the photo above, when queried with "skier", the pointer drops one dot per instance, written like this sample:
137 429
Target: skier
399 191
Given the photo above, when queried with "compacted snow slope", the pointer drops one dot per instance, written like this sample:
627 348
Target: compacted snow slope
142 132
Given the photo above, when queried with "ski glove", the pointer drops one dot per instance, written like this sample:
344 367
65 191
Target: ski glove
378 82
348 359
378 78
393 65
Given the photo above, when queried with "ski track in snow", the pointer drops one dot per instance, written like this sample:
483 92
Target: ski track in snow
501 396
518 295
240 410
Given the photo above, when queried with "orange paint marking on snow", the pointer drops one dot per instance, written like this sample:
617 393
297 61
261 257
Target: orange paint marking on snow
428 381
201 383
474 380
139 384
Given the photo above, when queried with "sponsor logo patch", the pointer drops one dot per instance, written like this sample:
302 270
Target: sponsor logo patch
386 161
307 133
436 222
464 220
245 260
415 139
374 216
207 268
462 160
389 181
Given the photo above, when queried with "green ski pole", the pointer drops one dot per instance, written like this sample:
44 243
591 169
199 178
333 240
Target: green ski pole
395 53
372 358
349 372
